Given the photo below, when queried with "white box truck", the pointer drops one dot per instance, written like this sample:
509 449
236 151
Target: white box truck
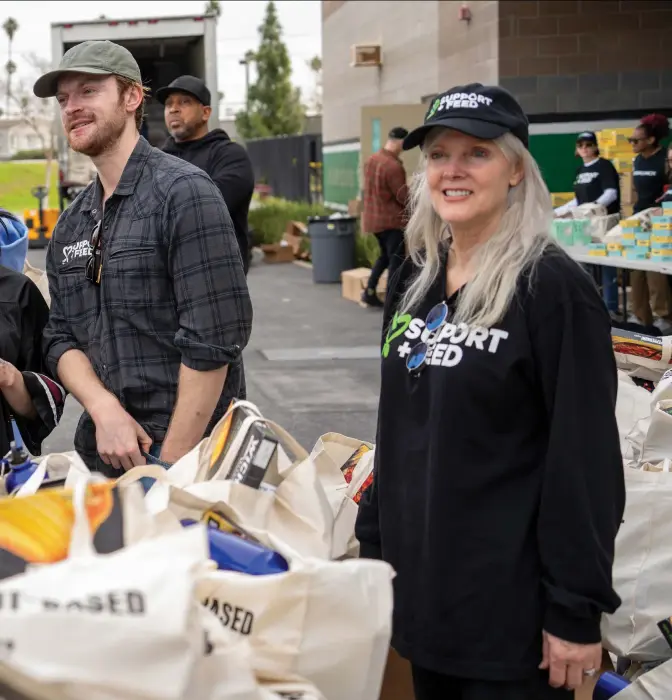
165 48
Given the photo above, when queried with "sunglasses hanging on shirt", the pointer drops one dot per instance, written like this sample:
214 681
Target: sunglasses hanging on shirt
94 265
436 319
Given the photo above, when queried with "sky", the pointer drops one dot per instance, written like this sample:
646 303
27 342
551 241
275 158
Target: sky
236 33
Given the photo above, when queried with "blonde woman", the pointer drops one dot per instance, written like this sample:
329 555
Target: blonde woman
498 486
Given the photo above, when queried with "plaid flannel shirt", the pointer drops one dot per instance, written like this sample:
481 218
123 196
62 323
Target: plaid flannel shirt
385 193
172 290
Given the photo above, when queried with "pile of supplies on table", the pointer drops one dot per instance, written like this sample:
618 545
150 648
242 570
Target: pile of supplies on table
234 577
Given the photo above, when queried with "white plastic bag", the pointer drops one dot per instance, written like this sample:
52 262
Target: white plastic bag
642 569
633 415
657 444
653 685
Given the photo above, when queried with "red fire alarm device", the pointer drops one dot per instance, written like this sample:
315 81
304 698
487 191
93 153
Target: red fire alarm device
465 13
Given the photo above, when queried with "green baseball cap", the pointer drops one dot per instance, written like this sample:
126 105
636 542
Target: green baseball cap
92 58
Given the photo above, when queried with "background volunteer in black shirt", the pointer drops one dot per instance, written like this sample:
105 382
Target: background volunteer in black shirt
498 487
187 110
651 296
597 181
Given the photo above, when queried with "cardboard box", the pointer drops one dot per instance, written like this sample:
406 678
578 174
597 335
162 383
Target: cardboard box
353 283
294 236
277 252
560 198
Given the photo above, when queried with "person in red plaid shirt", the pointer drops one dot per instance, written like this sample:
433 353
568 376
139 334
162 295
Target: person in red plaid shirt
385 194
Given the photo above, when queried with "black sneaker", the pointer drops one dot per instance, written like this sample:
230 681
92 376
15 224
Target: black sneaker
370 298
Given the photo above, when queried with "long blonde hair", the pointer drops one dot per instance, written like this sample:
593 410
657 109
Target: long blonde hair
522 236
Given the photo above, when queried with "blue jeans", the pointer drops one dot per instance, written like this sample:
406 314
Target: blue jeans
610 288
152 458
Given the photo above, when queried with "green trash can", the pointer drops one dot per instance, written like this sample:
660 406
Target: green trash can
332 246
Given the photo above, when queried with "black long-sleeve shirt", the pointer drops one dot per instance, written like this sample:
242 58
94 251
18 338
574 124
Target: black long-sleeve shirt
172 290
499 486
23 315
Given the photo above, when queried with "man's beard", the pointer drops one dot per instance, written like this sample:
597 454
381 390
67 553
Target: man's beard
185 132
104 135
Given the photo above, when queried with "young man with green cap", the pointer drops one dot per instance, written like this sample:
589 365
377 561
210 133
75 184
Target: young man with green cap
150 308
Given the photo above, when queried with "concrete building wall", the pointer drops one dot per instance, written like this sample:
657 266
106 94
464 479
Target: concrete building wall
468 51
586 55
408 32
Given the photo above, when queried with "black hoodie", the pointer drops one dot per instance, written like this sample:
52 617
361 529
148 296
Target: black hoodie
229 167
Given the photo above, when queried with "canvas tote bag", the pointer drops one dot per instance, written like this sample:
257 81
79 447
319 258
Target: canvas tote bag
295 518
79 622
345 468
642 568
58 464
327 622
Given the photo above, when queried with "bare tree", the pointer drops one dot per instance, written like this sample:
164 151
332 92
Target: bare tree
35 113
10 27
212 7
315 65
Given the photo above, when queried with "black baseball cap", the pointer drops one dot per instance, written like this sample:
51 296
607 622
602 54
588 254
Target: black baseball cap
91 58
482 111
188 84
588 136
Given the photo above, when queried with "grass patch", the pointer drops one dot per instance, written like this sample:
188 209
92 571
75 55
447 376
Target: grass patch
17 180
269 221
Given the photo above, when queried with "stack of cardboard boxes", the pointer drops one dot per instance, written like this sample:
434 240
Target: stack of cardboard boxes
614 146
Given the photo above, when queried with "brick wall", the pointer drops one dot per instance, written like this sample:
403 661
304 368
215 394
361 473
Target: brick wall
586 55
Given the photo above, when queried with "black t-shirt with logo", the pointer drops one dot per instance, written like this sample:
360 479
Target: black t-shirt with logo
593 179
498 486
649 178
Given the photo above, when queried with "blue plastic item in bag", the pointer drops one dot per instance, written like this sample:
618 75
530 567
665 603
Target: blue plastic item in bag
21 466
232 553
609 685
13 241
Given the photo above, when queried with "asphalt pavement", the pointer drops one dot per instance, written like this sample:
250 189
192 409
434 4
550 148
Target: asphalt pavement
312 363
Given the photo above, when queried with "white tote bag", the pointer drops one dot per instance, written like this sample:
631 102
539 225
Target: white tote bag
125 624
58 465
344 466
295 519
653 685
195 465
327 622
642 569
